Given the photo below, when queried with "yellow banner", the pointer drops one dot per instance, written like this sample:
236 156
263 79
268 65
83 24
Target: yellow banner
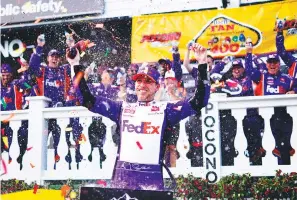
41 194
223 32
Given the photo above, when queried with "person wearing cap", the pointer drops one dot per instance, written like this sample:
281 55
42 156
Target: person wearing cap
171 74
253 123
210 62
139 161
193 70
273 82
107 90
130 84
13 92
170 94
54 81
193 126
166 65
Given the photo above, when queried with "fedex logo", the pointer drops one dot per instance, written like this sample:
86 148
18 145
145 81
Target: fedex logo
129 110
272 89
143 128
56 83
155 108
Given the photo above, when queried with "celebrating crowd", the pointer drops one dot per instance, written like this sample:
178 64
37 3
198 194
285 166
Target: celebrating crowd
154 98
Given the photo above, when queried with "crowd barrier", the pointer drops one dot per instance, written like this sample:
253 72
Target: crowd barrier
39 159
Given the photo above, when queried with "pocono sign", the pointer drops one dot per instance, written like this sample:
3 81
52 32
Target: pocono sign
13 48
211 142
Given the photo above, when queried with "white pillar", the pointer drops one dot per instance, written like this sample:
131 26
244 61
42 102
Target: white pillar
37 137
211 139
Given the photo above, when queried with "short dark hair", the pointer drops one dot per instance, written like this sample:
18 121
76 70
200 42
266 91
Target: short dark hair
209 56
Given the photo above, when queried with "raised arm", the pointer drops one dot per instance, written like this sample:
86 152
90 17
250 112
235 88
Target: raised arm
215 73
259 63
287 57
250 71
176 65
103 106
35 60
182 109
187 57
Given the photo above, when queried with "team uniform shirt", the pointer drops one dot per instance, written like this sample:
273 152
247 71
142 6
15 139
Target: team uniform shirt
141 141
269 84
12 95
52 82
142 125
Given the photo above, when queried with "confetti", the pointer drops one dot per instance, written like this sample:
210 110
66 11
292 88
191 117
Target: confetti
91 45
107 52
73 195
57 158
64 9
197 144
178 108
7 120
101 182
5 141
4 167
20 50
32 165
78 78
37 20
22 69
31 47
82 54
139 145
99 25
35 188
64 190
20 62
28 149
82 139
68 129
27 85
4 104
